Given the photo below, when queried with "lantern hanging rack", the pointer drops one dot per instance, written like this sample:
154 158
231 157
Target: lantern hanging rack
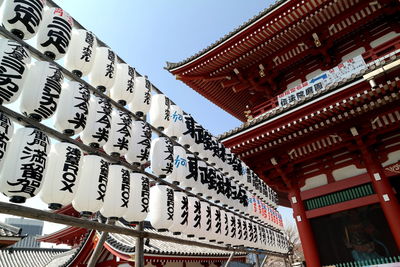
27 212
61 137
21 119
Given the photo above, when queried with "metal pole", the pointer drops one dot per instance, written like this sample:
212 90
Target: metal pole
229 260
257 260
139 247
264 261
99 247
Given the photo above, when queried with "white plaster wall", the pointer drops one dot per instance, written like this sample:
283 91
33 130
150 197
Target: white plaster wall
383 39
353 53
393 157
314 182
347 172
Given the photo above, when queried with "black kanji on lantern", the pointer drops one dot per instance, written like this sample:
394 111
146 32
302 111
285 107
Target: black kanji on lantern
12 67
33 163
103 180
217 221
197 212
51 92
59 34
70 168
110 68
169 159
28 12
88 50
184 210
192 167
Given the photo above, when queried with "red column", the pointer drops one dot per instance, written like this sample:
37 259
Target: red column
305 232
384 190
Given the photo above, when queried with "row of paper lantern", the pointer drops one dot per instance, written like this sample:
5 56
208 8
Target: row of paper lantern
56 38
111 189
263 212
77 112
42 103
28 164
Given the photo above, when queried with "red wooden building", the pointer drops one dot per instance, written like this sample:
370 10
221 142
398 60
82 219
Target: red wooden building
316 83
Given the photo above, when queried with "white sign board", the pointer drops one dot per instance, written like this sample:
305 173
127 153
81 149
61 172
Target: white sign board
319 83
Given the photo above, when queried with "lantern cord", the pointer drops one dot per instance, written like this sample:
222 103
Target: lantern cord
230 259
139 247
22 211
99 246
21 119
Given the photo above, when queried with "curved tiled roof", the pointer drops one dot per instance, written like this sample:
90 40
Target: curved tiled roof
171 66
23 257
7 230
126 245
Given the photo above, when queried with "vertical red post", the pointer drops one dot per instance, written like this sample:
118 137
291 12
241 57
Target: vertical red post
305 231
387 198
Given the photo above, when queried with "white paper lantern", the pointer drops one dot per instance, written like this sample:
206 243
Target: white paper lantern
81 53
160 111
245 239
73 108
14 60
122 90
92 187
207 150
6 132
120 134
188 135
194 218
176 126
216 224
22 18
161 213
206 222
22 174
41 90
62 175
98 125
102 75
162 157
116 201
219 195
239 231
54 33
201 187
180 167
140 143
225 227
139 198
141 101
190 181
181 213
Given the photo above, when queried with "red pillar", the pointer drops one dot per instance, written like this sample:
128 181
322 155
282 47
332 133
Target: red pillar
305 231
387 199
